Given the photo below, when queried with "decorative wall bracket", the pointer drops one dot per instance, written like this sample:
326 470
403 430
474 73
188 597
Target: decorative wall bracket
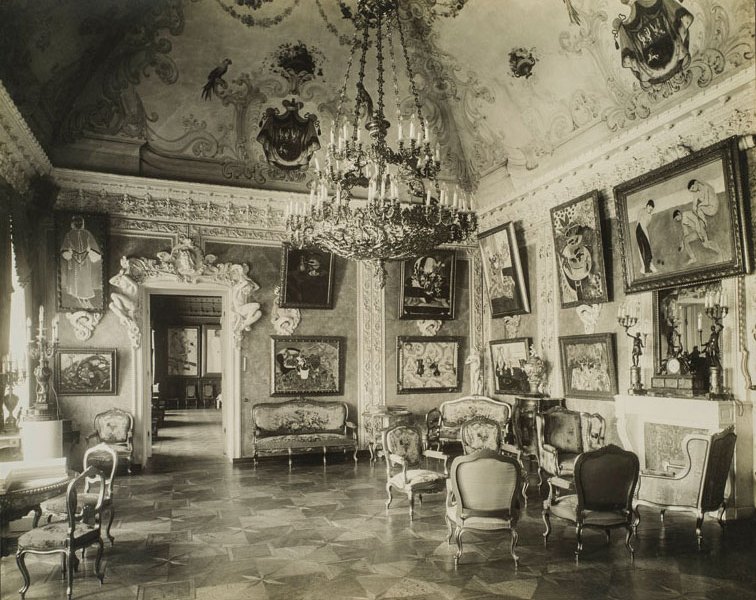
589 315
185 263
429 327
83 323
511 326
284 320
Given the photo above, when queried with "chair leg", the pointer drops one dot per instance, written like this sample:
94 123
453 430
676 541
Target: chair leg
720 515
98 560
513 546
547 522
21 562
390 496
411 498
661 515
289 459
628 537
579 537
636 521
111 510
608 533
699 525
354 455
459 546
525 486
324 456
450 525
37 515
540 478
69 585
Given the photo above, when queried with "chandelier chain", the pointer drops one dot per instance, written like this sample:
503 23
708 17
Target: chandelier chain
379 54
342 92
410 72
395 78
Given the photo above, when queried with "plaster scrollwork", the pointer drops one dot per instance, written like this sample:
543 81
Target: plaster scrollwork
511 326
589 315
83 323
284 320
185 263
429 327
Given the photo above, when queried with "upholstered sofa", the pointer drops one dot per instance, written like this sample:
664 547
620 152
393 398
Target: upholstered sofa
301 426
442 424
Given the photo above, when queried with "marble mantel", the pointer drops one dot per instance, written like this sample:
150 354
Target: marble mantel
651 425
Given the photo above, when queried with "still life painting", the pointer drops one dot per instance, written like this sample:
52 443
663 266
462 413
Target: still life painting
579 251
505 280
427 290
507 360
306 278
588 368
428 364
85 372
305 365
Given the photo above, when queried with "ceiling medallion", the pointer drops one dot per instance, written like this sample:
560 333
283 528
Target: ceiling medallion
407 212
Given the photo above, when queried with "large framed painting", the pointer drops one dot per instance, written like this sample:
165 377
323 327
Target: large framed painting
306 278
579 251
428 364
427 290
183 351
588 366
306 365
684 223
212 350
505 280
507 358
86 372
81 242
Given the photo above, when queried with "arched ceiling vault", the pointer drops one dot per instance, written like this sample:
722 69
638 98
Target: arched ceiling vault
520 85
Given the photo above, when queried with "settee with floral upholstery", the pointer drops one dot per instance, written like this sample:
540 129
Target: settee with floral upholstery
302 426
442 424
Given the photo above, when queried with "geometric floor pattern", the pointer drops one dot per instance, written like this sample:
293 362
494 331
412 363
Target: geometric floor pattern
192 527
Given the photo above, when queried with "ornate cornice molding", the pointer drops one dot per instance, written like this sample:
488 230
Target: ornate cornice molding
21 155
713 115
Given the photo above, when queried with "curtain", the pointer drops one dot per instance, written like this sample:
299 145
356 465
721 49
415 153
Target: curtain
6 288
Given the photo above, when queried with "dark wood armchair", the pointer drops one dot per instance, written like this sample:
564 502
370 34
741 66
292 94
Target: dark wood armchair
115 427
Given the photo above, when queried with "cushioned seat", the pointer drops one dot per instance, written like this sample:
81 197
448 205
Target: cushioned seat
303 440
415 478
442 424
566 509
55 536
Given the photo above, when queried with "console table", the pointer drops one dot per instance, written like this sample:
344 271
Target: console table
523 420
377 421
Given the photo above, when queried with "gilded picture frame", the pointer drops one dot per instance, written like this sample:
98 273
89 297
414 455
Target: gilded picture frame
428 364
588 363
306 278
306 365
427 286
503 272
86 371
684 223
507 357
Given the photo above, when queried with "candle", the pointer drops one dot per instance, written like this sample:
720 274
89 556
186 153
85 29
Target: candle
333 137
317 165
427 198
41 316
412 128
700 322
400 130
438 152
28 329
55 321
425 130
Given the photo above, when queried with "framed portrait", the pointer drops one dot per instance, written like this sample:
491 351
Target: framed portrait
427 290
579 251
212 350
183 351
86 372
588 367
507 358
684 223
306 278
81 243
306 365
428 364
505 280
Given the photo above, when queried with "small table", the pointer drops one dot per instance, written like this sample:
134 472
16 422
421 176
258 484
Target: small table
523 420
377 421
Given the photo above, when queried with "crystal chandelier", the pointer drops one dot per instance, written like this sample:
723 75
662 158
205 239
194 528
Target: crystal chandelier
407 211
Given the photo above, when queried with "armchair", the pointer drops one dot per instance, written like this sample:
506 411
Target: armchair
699 485
66 537
115 427
562 435
605 481
482 496
403 447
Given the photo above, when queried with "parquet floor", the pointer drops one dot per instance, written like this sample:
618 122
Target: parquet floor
190 527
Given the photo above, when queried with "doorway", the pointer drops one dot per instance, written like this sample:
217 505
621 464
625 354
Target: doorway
186 354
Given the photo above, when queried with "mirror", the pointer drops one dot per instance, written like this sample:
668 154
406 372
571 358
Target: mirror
686 307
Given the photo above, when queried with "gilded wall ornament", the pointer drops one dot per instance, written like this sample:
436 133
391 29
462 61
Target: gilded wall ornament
284 320
429 327
83 323
589 315
289 140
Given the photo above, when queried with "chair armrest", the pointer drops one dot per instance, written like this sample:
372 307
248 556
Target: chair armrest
450 499
349 426
548 459
91 436
440 456
396 459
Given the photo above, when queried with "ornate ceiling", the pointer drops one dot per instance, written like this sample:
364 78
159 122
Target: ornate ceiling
519 85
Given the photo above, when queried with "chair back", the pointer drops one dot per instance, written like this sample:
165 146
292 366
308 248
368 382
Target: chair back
605 479
486 484
480 433
114 426
106 465
717 468
72 499
404 441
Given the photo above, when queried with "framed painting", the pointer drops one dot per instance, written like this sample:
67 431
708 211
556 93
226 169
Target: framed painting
212 350
306 278
579 251
183 351
588 367
427 290
684 223
306 365
428 364
81 242
86 372
507 358
505 280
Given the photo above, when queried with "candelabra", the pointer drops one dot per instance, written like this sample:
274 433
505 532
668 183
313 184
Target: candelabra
627 317
716 309
43 349
12 372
